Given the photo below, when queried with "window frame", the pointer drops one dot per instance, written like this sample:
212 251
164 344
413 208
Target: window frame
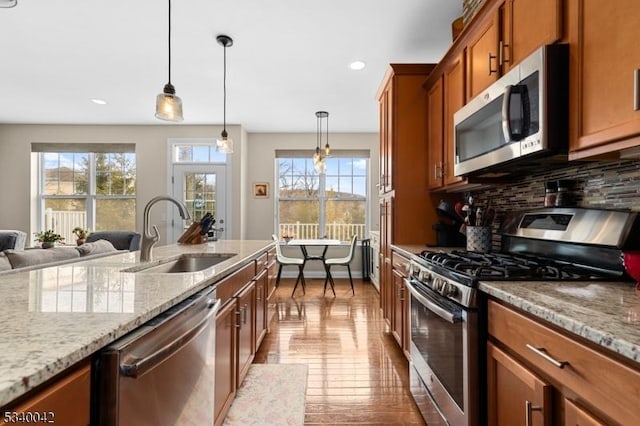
322 198
91 197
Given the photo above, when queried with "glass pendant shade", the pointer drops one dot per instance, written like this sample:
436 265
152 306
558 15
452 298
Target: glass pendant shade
169 105
225 143
318 158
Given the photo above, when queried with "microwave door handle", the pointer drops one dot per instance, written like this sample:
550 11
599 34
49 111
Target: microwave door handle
506 114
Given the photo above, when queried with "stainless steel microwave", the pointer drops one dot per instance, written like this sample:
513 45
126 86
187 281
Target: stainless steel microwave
521 118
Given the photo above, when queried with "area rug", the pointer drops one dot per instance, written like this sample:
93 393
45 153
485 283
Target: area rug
271 394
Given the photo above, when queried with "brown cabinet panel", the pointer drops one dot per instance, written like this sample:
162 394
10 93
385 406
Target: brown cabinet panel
482 56
262 285
435 141
605 100
515 393
226 360
246 320
576 416
608 387
528 24
65 401
453 100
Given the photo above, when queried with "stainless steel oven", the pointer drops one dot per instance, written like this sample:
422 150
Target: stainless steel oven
444 356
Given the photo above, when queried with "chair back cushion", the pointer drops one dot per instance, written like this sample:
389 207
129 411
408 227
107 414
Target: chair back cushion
121 240
95 247
26 258
12 239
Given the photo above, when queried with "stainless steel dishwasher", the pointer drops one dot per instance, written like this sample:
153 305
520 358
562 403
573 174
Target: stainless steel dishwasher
163 372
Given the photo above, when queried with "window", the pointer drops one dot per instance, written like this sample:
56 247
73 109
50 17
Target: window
332 205
91 188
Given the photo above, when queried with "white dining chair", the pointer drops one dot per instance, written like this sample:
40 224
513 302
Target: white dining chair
340 261
284 261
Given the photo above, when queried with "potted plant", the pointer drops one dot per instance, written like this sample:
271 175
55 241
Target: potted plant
81 234
48 238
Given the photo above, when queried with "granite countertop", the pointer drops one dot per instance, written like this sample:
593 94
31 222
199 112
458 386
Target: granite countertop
605 313
54 317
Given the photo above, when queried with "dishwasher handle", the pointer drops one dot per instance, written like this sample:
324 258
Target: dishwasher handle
147 362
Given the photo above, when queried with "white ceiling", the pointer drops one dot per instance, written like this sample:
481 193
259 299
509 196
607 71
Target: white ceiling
289 59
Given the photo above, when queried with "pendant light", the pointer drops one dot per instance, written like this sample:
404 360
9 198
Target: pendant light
318 158
168 105
225 143
8 3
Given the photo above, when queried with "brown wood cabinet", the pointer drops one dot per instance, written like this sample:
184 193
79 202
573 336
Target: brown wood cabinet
406 210
399 304
586 376
482 55
435 138
576 416
515 393
525 26
454 99
241 325
65 400
605 76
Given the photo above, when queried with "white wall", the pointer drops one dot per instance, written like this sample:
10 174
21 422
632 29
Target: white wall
261 168
253 161
151 154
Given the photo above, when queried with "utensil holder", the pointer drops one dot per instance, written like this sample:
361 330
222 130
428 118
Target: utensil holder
479 239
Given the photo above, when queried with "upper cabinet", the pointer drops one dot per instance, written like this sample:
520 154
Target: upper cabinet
435 125
482 55
506 33
525 26
605 76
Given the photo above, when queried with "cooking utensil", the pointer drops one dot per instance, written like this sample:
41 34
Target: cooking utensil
445 209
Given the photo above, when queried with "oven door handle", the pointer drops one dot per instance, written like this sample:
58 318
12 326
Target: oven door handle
433 307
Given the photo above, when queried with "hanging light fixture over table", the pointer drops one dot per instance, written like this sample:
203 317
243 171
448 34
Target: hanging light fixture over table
318 157
225 143
168 104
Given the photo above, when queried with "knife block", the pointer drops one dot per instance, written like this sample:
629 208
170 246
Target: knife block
192 235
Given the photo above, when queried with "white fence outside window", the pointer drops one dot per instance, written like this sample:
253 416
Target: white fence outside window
334 231
62 222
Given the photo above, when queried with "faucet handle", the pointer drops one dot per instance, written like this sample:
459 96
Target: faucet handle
156 235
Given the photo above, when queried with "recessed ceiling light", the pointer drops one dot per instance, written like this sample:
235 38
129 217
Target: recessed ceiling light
99 101
357 65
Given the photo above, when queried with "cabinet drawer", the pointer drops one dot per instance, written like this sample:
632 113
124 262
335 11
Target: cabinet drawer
400 263
64 402
229 286
262 262
601 382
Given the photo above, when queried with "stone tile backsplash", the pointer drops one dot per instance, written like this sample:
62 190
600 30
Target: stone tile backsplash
607 185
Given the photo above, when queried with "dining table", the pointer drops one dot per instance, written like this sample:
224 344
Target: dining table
304 245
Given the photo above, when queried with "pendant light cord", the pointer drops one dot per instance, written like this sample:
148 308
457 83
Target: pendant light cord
169 42
224 92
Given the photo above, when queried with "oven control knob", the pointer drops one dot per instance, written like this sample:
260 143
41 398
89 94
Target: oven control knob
438 283
424 276
449 290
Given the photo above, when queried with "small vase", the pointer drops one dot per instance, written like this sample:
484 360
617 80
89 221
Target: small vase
81 241
48 244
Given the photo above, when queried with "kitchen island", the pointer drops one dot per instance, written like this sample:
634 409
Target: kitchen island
53 318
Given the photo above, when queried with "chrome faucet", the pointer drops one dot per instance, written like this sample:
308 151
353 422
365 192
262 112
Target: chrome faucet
148 241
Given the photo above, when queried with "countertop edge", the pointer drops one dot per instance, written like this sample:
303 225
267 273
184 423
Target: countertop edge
10 390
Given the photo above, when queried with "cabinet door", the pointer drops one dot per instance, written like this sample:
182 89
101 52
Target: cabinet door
397 318
453 101
608 64
482 56
64 402
246 320
435 124
386 138
271 292
262 283
226 338
515 395
520 38
576 416
386 235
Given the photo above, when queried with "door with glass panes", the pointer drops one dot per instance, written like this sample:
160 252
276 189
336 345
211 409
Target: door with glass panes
202 189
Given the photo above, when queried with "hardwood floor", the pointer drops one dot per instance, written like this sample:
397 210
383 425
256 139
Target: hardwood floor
357 373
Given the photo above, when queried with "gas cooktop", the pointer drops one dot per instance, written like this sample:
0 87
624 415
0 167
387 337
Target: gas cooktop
513 267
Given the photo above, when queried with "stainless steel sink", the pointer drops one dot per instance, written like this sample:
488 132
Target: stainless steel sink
191 262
